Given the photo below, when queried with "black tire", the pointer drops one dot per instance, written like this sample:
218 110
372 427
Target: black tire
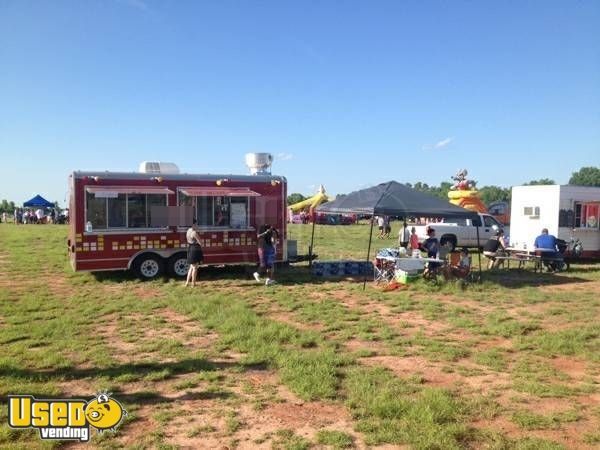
448 239
177 265
148 266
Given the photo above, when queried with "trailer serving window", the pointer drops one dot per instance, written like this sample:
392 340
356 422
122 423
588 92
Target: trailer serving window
120 207
219 207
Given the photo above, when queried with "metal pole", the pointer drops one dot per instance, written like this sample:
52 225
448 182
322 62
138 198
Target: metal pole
479 251
312 239
368 251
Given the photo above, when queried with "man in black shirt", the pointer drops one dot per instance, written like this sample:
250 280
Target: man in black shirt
266 253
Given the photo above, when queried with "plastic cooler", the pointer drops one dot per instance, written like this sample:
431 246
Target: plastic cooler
405 277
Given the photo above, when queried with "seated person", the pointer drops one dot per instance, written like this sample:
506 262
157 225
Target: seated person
494 247
545 246
462 269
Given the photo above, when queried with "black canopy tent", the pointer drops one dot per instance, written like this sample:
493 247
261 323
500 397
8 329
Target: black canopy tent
394 199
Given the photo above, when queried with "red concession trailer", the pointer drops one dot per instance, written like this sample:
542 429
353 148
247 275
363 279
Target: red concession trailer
137 221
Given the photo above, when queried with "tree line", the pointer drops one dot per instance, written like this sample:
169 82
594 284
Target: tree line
9 206
586 176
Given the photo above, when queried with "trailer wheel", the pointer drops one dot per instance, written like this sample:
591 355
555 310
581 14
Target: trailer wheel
148 266
448 239
178 265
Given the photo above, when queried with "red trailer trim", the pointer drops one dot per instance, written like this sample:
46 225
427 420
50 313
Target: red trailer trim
218 192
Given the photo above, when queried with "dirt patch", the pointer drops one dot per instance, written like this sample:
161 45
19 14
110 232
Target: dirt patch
189 332
573 367
570 435
289 319
209 420
588 286
358 345
141 292
414 366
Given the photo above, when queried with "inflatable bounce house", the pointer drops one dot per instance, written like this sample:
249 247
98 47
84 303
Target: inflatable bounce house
301 212
464 194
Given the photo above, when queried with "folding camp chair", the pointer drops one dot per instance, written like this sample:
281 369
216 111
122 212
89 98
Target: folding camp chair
383 269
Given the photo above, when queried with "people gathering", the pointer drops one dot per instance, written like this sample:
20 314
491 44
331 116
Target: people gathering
441 258
38 216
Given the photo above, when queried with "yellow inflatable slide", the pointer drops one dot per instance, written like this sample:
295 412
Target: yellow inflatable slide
310 203
467 199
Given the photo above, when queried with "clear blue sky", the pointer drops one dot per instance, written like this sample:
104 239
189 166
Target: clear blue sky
346 93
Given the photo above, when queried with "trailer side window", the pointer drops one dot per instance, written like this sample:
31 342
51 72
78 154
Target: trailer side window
586 215
124 210
95 211
158 203
204 211
116 208
238 212
221 212
136 211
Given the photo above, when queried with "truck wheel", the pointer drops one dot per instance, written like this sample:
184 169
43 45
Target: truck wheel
448 239
148 267
178 265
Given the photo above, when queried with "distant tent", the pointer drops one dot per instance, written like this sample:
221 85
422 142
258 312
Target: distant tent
39 202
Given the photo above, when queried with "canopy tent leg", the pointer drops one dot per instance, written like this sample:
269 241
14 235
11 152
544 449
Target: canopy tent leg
312 240
479 252
369 251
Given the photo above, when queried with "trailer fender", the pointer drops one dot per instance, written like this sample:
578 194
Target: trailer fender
163 253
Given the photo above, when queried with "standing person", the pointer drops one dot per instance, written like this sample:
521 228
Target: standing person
39 215
4 217
431 244
380 225
404 236
414 241
266 254
386 226
194 254
432 247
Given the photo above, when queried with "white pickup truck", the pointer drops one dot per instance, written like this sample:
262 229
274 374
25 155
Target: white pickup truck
462 232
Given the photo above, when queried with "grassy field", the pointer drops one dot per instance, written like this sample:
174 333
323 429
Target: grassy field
510 363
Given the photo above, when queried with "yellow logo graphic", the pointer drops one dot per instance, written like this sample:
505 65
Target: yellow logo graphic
65 418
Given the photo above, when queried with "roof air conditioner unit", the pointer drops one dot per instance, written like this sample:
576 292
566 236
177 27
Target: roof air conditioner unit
156 167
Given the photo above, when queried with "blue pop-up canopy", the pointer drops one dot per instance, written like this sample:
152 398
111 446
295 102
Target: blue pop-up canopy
38 201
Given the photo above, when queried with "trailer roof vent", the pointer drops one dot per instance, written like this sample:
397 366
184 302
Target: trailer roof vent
259 163
159 167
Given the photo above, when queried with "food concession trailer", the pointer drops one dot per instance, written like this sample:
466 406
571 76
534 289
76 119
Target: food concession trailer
137 221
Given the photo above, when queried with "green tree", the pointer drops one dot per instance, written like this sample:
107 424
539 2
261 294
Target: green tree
7 207
586 176
491 194
295 198
541 181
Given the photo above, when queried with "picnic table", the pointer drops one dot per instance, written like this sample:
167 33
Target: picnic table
524 256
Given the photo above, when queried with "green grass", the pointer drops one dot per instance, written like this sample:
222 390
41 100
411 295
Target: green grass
65 333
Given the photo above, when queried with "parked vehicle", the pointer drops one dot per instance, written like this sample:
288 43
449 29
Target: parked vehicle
462 232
